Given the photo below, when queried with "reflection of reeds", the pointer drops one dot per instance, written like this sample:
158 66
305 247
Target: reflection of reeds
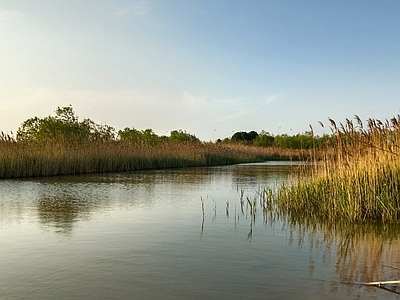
359 178
202 222
364 253
367 252
22 159
361 253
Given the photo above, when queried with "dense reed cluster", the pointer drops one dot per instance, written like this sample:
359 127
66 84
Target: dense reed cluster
27 159
358 179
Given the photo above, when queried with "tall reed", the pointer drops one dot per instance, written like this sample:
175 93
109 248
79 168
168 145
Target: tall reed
26 159
358 179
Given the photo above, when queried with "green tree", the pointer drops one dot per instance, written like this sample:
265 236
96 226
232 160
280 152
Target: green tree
64 126
130 135
182 136
133 135
298 141
264 139
244 137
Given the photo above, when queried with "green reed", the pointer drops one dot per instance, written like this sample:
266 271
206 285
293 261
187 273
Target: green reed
358 180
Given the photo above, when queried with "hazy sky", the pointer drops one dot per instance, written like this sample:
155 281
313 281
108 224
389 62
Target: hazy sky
210 67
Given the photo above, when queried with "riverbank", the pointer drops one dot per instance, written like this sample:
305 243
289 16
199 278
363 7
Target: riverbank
29 159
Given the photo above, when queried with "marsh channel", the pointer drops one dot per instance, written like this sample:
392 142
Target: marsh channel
181 234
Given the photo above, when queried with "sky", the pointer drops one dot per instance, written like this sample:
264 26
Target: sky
208 67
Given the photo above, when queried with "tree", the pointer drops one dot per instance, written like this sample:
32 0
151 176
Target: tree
133 135
65 127
298 141
244 137
130 135
264 139
182 136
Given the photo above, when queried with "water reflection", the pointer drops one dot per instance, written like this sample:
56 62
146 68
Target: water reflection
62 212
136 231
362 253
359 253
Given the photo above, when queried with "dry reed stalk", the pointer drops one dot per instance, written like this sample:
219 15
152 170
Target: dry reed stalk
379 283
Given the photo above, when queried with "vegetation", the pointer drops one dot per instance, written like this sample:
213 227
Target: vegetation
358 180
355 174
306 140
133 135
62 144
244 137
182 136
264 139
302 141
64 126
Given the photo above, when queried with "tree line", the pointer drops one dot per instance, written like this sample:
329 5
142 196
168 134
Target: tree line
65 126
306 140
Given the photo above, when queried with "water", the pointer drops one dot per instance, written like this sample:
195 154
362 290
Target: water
142 235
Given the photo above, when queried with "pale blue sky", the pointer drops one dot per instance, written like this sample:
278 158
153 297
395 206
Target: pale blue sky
210 67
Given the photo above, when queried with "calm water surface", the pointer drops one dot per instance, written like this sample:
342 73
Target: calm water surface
143 235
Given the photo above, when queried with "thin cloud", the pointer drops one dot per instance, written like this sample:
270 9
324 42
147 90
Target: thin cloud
240 108
8 14
140 8
194 102
122 12
272 98
233 116
227 109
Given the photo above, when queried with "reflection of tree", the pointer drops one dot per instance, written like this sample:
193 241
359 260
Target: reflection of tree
65 200
62 212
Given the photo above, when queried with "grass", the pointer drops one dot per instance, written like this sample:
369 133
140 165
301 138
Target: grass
28 159
358 180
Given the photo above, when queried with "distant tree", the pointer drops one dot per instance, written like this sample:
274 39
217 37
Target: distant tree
298 141
133 135
129 135
64 126
252 135
244 137
182 136
264 139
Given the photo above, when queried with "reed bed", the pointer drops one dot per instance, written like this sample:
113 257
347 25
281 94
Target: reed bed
358 180
28 159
